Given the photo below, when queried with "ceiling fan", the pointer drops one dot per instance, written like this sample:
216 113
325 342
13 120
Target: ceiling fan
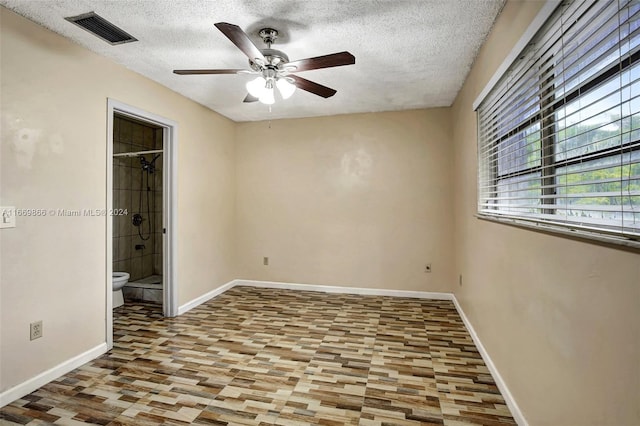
273 68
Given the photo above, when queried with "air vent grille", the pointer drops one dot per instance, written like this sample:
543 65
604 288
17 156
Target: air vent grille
102 28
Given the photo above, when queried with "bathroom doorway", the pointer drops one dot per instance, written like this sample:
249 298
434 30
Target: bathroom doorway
137 208
140 199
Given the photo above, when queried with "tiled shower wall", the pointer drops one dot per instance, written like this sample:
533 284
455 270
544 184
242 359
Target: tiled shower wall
131 136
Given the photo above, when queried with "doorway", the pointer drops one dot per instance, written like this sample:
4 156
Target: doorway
141 194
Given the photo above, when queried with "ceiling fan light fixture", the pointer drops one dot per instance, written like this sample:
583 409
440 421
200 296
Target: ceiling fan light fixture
285 87
256 86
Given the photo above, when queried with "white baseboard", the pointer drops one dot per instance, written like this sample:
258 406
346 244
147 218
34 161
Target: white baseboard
210 295
502 386
346 290
42 379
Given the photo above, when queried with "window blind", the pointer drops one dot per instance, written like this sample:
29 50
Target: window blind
559 134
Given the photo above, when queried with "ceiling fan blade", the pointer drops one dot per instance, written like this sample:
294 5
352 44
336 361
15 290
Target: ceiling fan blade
326 61
188 72
311 87
250 98
240 39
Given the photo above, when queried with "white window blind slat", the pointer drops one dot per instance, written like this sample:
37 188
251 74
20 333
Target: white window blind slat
559 134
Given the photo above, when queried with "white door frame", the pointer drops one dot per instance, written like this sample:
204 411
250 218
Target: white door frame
169 214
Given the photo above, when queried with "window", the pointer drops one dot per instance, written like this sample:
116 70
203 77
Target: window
559 134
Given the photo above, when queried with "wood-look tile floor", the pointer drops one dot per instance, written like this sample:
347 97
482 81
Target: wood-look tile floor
262 356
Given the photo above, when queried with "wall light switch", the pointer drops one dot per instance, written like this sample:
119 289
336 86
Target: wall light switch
8 217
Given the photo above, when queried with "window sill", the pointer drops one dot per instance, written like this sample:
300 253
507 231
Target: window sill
577 234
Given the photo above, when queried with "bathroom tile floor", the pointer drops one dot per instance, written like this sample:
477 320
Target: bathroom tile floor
262 356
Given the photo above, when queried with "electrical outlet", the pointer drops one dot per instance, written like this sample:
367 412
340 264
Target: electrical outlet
460 280
36 330
265 261
427 268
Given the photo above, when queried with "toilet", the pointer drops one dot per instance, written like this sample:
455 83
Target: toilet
119 279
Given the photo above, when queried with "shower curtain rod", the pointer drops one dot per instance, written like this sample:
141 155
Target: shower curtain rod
135 154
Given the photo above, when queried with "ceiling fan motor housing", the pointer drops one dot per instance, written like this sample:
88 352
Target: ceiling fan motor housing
274 58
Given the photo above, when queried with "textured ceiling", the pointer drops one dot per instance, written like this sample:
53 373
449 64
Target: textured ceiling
409 53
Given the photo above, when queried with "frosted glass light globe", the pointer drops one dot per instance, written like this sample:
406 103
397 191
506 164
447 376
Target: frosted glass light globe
256 87
285 87
267 96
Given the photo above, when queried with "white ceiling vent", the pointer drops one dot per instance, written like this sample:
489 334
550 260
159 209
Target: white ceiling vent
102 28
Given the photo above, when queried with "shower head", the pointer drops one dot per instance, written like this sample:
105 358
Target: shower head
148 166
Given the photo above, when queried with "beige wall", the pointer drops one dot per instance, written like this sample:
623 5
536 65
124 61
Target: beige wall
53 155
358 200
559 317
